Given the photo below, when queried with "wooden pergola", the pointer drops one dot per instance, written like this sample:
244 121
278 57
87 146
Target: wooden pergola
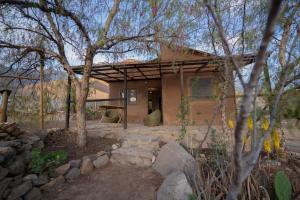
152 70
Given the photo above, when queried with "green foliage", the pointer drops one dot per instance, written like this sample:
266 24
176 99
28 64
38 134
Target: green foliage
43 162
183 116
192 196
292 108
218 156
283 187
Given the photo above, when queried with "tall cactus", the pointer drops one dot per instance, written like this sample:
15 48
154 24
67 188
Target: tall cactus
283 187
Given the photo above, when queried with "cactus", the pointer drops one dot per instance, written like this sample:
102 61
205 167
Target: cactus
283 187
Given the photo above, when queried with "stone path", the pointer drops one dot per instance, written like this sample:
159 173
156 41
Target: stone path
138 150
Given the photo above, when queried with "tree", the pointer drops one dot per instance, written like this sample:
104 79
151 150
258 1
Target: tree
244 162
86 29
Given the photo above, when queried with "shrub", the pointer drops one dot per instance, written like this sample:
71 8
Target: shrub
46 162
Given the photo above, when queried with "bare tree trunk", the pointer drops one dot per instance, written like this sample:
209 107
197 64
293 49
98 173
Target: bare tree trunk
42 63
5 95
80 117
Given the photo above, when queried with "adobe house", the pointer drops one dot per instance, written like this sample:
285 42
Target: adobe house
160 83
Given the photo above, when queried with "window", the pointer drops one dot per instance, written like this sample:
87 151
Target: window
201 88
131 96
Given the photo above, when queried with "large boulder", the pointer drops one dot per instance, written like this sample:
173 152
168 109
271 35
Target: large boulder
175 187
173 157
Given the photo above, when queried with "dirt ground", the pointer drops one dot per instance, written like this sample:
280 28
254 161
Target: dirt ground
109 183
66 141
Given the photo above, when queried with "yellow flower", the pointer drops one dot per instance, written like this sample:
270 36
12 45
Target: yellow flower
276 139
265 125
230 124
250 123
267 146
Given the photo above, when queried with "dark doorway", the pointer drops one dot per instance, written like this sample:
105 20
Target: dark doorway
154 99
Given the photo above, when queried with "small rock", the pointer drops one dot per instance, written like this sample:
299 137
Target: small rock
17 180
114 146
20 190
7 152
33 194
75 163
101 153
17 132
41 180
62 170
2 159
153 159
26 156
3 172
3 135
31 139
86 166
174 187
92 157
30 177
6 193
39 145
11 129
53 182
4 185
101 161
73 173
17 167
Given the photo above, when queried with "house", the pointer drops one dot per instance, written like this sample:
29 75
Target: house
160 84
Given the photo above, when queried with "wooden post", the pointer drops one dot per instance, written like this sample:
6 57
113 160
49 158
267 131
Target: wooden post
42 109
125 99
68 101
5 95
181 82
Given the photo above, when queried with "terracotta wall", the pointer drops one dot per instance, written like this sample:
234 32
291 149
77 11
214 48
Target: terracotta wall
201 110
136 112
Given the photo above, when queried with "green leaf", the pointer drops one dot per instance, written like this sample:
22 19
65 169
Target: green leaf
283 187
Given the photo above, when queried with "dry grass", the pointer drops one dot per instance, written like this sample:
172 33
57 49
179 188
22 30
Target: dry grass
213 176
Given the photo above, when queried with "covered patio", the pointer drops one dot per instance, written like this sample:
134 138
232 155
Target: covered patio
152 70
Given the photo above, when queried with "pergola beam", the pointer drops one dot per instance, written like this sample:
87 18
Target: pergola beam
141 72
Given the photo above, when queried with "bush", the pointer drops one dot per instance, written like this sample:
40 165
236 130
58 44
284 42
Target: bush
45 162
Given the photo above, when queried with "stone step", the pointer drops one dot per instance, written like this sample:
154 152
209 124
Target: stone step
144 141
141 138
133 156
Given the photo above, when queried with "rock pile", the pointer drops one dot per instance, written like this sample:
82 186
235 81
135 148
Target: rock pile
15 156
16 180
75 168
175 164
